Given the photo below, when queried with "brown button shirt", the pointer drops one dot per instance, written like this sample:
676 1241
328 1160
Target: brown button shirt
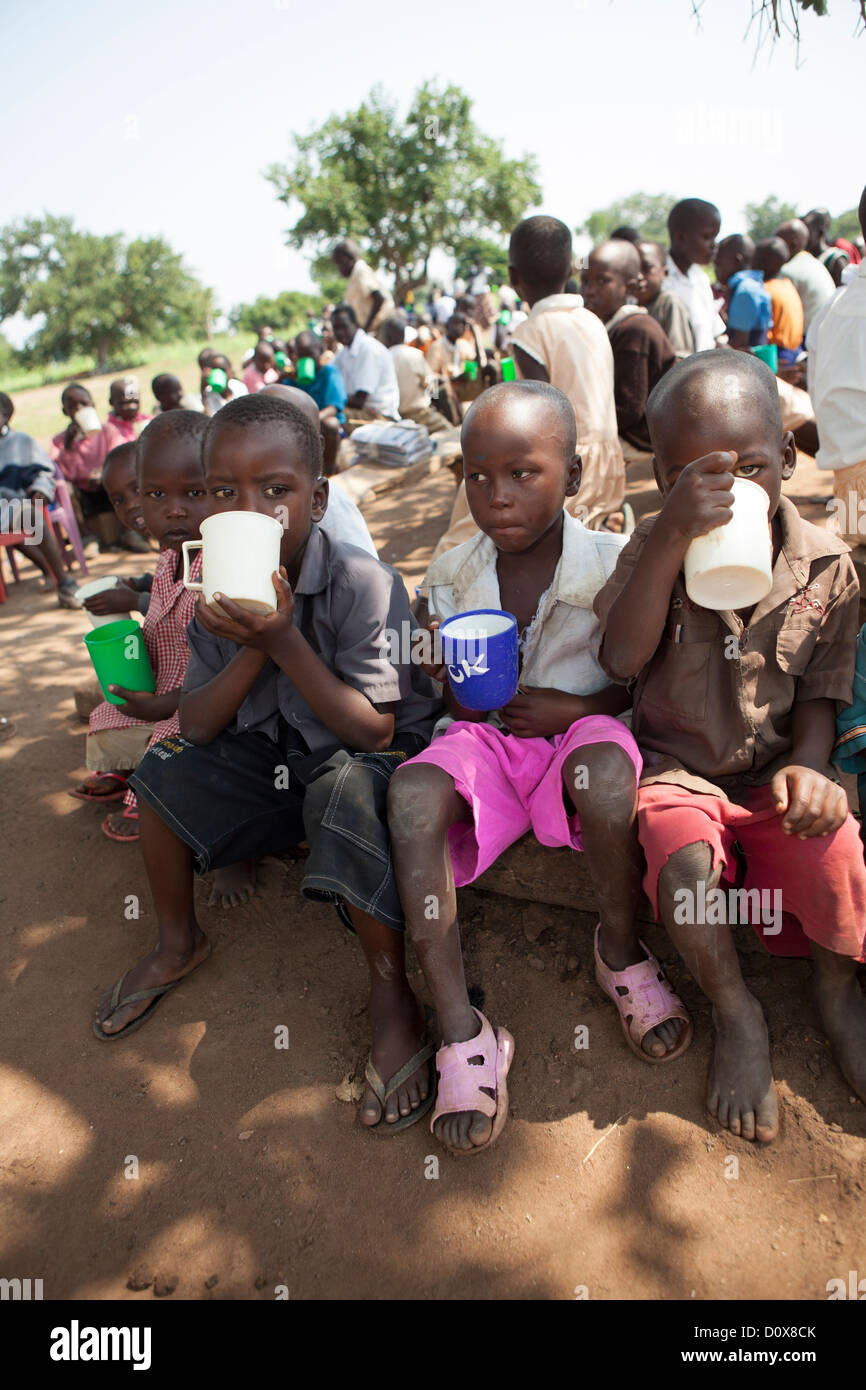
713 706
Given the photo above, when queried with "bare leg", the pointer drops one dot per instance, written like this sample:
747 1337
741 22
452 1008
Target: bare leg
331 442
422 804
601 783
843 1013
741 1093
397 1020
181 944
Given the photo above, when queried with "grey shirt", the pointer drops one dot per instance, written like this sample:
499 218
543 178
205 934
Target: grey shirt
354 611
18 450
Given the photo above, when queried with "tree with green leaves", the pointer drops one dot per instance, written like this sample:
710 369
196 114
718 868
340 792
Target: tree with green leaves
96 295
646 212
762 219
403 186
286 313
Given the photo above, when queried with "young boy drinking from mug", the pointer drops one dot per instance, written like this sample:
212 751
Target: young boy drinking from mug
734 713
291 724
555 760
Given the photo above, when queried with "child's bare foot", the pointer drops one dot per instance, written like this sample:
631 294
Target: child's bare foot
399 1029
233 885
156 968
843 1013
741 1094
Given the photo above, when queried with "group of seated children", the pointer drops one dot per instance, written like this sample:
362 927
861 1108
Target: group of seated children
302 725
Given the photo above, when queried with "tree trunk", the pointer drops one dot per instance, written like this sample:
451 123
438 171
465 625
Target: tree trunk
101 356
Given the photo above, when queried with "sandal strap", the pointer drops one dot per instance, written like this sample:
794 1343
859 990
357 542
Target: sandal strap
650 1000
459 1083
382 1090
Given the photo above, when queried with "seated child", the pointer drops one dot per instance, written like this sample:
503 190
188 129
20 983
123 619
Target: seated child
174 503
215 397
666 308
125 415
563 343
170 395
734 714
555 760
27 482
328 392
80 457
787 329
693 225
749 307
120 480
299 719
262 369
642 352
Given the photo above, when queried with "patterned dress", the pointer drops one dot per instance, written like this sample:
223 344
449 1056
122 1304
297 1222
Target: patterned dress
171 609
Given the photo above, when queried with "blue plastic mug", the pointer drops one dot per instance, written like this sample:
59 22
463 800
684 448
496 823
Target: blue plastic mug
479 649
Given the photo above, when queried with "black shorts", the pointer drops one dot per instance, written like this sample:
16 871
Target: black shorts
244 796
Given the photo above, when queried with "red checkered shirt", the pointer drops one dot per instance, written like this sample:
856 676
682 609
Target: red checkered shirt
171 609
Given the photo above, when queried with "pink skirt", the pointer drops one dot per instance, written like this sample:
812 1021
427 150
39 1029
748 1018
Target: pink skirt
514 785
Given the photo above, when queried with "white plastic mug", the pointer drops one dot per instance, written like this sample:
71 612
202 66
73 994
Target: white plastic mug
732 566
87 420
239 553
96 586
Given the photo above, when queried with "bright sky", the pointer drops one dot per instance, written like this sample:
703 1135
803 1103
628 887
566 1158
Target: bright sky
160 117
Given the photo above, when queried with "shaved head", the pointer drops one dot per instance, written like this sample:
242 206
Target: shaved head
296 397
721 378
619 255
795 235
530 406
770 255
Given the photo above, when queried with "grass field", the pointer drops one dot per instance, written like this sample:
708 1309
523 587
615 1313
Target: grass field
37 407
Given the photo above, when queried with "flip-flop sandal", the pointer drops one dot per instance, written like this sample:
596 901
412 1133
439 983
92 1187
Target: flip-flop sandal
84 793
648 1001
383 1089
155 995
128 814
460 1084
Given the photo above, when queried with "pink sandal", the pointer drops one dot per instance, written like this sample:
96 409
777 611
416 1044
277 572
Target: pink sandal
129 815
460 1084
648 1001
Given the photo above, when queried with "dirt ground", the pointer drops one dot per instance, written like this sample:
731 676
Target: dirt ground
609 1181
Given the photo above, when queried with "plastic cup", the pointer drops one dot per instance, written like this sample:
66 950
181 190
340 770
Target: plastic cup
305 373
732 566
96 586
280 361
509 371
240 551
470 371
87 420
479 649
120 657
217 379
769 353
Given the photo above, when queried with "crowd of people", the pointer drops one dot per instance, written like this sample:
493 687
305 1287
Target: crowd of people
678 747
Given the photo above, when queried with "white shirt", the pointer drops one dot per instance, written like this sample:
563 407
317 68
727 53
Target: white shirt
814 283
366 365
837 376
694 290
414 377
560 647
343 521
442 308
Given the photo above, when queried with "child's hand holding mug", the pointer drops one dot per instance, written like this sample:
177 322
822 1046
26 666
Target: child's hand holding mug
436 670
120 599
262 631
701 498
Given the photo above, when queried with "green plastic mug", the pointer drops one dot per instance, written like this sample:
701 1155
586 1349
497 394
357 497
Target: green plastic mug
120 657
217 379
769 353
509 372
306 370
470 371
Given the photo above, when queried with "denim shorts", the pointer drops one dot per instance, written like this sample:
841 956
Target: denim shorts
244 796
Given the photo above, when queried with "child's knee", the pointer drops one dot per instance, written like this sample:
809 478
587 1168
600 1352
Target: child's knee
688 864
417 801
602 781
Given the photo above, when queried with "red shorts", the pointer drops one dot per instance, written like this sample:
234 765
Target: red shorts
807 889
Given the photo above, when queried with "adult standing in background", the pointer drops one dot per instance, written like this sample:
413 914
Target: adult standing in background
364 291
834 256
813 281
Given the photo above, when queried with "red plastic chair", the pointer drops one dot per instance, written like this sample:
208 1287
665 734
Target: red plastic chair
9 539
